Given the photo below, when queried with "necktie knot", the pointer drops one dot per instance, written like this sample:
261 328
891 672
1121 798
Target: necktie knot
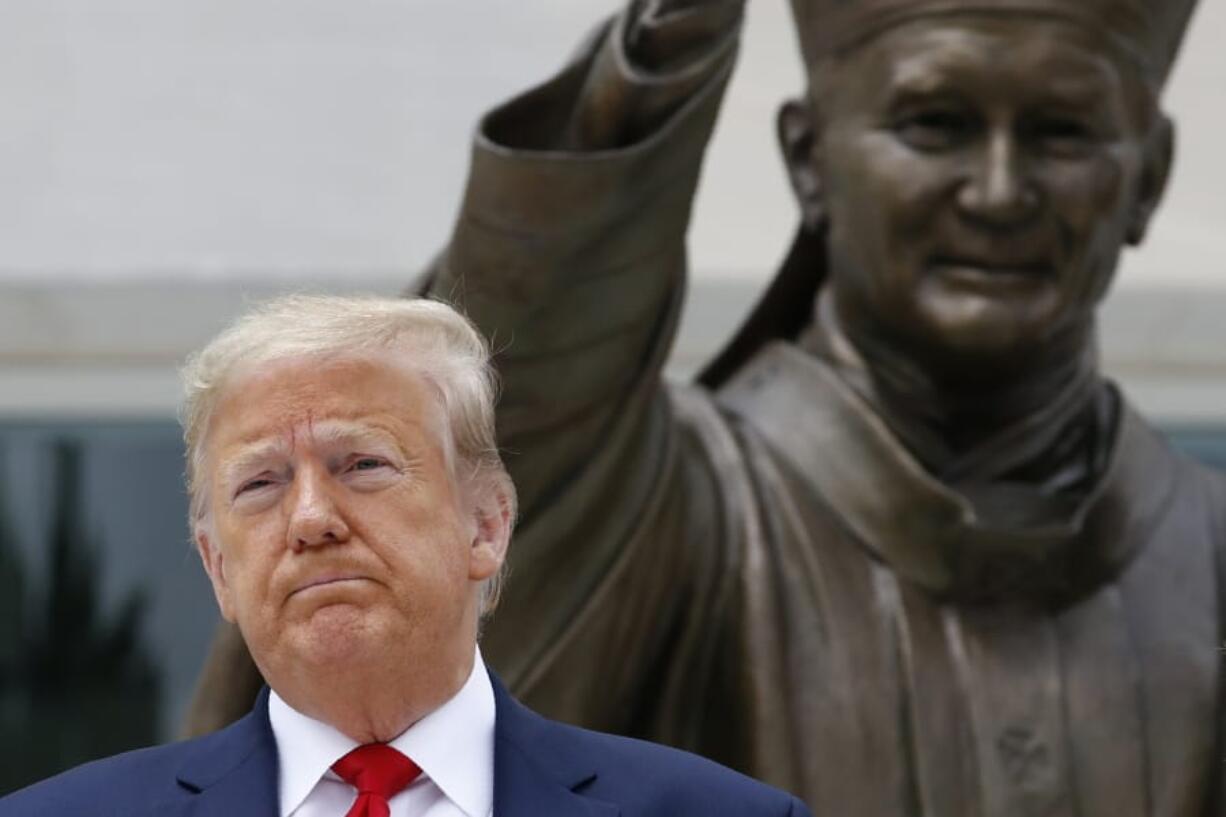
378 772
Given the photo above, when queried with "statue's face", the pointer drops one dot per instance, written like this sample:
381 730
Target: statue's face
979 177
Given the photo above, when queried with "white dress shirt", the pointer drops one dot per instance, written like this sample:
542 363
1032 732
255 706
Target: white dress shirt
453 745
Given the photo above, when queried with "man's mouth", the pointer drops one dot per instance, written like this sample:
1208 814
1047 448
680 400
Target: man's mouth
326 580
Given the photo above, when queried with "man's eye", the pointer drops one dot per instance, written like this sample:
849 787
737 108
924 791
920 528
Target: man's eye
934 129
367 464
253 485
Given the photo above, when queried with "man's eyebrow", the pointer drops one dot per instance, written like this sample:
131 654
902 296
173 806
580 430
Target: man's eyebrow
339 431
249 456
360 434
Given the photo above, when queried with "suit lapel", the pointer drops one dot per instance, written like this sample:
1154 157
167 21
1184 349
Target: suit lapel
233 772
538 766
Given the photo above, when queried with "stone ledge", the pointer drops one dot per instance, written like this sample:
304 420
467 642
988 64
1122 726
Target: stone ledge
112 349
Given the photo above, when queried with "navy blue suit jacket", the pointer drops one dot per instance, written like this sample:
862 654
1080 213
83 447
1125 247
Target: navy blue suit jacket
541 768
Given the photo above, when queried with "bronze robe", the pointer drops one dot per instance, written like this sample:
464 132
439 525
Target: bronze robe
764 575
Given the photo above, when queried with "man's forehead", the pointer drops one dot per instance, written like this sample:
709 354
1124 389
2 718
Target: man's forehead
321 401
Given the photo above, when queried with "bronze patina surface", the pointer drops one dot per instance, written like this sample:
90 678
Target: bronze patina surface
903 550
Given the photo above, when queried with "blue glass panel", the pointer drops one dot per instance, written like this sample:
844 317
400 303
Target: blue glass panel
105 612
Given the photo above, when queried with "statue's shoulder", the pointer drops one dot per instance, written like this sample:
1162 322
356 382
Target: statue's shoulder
701 417
707 440
692 402
1198 490
1211 482
1153 461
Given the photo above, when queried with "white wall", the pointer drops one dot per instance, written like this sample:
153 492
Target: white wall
158 157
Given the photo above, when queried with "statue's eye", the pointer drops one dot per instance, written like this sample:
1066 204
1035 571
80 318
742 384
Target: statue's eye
1061 135
934 128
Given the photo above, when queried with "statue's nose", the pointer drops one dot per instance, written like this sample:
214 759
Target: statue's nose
998 189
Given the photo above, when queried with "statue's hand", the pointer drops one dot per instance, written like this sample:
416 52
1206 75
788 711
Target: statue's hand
657 55
666 35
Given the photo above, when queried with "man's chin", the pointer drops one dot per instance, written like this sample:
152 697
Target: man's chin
332 634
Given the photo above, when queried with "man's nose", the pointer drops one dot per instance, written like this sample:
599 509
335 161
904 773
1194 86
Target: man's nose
314 517
999 190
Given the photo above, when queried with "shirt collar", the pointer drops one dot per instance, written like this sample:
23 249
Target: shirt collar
453 746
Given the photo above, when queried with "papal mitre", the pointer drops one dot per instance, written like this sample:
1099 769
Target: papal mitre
1149 31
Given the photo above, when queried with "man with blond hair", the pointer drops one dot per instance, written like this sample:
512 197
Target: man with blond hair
353 515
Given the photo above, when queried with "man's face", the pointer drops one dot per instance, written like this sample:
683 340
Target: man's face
979 177
336 531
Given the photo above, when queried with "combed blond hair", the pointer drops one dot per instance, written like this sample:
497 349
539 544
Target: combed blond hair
430 337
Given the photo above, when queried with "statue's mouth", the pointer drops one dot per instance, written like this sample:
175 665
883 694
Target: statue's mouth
992 269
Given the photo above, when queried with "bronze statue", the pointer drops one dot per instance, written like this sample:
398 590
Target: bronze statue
903 550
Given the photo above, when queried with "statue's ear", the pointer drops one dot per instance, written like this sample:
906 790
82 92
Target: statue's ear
1159 152
798 134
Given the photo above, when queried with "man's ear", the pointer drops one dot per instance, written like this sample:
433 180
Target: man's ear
213 559
1159 153
797 131
491 533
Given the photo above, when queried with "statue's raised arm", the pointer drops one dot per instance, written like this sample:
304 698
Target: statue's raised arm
569 254
569 251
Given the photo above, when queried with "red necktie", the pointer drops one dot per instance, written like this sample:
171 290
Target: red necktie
378 772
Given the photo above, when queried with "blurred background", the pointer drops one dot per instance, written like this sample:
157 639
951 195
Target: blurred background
163 162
